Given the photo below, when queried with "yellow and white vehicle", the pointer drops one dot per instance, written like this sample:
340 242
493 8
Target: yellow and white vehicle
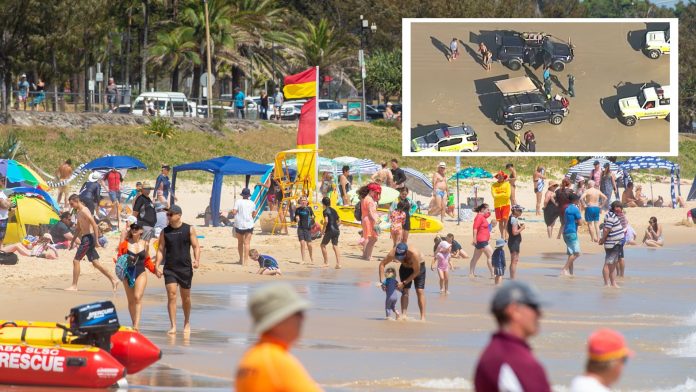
656 43
651 102
447 139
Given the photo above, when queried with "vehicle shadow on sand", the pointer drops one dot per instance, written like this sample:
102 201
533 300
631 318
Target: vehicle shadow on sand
623 90
508 140
488 95
439 45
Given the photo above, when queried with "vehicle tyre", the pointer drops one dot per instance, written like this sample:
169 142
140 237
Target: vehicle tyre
556 120
514 65
654 54
630 121
467 150
558 66
517 125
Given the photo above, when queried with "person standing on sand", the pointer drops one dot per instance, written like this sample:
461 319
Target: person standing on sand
550 207
515 229
403 198
512 178
593 200
174 251
65 170
596 173
244 212
501 192
607 355
607 183
439 192
162 185
90 192
88 232
480 239
369 196
383 176
563 200
345 180
331 232
538 179
571 85
573 219
454 49
304 216
398 174
412 270
278 313
507 363
144 210
137 250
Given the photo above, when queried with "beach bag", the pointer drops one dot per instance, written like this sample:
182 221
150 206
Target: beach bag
357 212
8 258
315 231
125 269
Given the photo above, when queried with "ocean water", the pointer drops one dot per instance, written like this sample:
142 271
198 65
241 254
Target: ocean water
348 346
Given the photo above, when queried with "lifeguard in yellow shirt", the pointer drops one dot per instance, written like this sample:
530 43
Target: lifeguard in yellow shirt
501 201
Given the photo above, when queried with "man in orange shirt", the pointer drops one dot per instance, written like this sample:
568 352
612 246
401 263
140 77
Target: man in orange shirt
278 312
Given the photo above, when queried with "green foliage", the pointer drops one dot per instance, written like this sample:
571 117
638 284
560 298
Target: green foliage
387 124
384 72
161 127
10 146
218 122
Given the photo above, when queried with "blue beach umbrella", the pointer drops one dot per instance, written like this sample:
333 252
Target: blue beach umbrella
470 173
115 162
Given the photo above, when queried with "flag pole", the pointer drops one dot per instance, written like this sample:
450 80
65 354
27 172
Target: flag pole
316 133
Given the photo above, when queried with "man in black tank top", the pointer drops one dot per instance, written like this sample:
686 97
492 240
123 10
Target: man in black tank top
174 251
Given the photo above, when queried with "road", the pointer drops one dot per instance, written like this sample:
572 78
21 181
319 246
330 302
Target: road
608 65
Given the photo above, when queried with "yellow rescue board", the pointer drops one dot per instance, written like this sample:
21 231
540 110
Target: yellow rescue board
419 223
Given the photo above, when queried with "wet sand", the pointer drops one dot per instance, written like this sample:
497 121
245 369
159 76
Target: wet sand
608 65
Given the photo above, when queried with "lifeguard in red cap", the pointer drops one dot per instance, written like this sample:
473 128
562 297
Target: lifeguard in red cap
606 357
501 192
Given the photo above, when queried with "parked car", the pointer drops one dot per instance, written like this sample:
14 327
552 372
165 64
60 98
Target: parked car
202 110
523 103
290 110
331 110
396 107
515 49
656 43
651 102
447 139
372 113
166 103
123 109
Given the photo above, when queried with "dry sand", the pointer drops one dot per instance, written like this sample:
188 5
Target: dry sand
462 91
33 287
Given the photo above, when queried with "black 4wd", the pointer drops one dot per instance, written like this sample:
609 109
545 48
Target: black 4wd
523 103
515 49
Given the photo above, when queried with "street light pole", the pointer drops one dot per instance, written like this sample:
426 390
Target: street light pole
208 84
364 28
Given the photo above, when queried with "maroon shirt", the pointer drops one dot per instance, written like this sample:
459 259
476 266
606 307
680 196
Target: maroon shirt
507 365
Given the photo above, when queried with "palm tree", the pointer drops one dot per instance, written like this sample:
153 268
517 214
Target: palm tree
174 48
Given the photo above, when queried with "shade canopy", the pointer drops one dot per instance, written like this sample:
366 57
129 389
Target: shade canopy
648 162
115 162
471 172
17 174
220 167
29 211
585 168
522 84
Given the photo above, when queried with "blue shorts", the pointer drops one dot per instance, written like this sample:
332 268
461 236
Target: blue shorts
499 267
3 228
115 196
592 214
572 243
481 244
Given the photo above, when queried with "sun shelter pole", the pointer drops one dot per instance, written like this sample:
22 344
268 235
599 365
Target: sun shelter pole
215 199
671 188
173 187
457 174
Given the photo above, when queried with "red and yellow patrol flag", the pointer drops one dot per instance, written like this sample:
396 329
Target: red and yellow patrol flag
301 85
307 128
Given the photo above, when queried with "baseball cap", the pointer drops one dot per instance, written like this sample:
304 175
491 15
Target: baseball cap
517 207
515 291
24 75
166 167
442 164
606 345
174 209
246 192
596 163
400 251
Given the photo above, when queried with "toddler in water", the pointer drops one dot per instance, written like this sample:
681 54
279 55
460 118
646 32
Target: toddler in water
397 219
267 264
390 287
444 263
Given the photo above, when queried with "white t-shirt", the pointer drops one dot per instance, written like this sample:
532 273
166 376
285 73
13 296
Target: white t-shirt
586 383
243 220
4 212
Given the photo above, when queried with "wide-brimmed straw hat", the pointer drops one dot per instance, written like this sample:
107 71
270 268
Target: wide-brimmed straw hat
94 177
552 184
274 303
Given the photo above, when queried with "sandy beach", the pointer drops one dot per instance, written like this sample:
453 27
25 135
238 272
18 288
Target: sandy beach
220 324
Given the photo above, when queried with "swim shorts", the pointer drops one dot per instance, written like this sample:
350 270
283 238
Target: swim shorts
405 272
304 234
592 214
440 193
502 213
514 243
115 196
330 236
481 244
612 255
572 243
243 231
87 248
3 228
499 267
181 276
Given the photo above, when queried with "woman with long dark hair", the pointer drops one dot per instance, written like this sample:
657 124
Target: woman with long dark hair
135 250
369 196
653 235
550 207
481 236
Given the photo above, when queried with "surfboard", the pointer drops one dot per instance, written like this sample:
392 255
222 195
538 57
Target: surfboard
419 223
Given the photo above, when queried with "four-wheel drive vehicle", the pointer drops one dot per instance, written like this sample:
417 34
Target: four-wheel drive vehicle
656 43
535 49
166 103
651 102
447 139
523 103
331 110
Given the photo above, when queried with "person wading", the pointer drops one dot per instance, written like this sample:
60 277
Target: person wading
412 270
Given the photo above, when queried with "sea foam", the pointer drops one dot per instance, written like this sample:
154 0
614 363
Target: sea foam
686 348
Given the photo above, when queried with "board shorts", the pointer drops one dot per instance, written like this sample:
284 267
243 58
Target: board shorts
115 196
613 254
481 244
592 214
572 243
87 248
304 234
148 233
181 276
243 231
3 228
499 267
405 272
330 236
514 243
502 213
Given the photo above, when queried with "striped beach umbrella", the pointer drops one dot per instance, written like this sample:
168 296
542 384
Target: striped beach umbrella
418 182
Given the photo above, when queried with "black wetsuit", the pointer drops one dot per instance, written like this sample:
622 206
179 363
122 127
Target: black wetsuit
178 267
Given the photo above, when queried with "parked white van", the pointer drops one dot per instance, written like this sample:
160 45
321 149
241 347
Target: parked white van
169 104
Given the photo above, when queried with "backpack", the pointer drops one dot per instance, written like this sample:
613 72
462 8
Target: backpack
357 212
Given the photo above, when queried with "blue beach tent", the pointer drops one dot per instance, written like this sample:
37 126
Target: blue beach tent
637 163
220 167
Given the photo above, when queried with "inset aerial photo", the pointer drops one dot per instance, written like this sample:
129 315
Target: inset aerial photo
546 87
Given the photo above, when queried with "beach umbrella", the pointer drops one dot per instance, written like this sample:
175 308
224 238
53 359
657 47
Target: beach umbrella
470 173
323 164
357 166
33 192
388 195
418 182
42 184
115 162
585 168
19 175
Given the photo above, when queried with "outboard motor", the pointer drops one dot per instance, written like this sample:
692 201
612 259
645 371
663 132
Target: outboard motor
94 324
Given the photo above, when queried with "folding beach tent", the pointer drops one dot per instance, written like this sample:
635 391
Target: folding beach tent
220 167
692 192
30 214
637 163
